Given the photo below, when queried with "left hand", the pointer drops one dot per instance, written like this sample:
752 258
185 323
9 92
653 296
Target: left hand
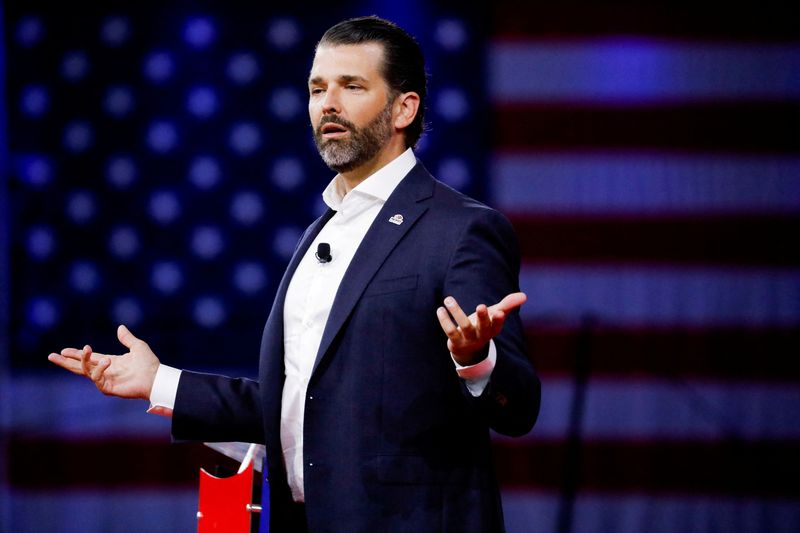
468 335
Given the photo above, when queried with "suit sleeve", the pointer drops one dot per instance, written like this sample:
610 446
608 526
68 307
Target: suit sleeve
216 408
483 269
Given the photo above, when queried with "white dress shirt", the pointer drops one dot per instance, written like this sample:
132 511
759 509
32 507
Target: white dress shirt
309 299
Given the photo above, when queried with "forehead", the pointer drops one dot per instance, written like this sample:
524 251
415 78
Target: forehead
334 61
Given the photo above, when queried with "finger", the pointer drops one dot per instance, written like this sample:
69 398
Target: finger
483 322
98 372
463 321
448 327
73 353
86 360
66 363
498 319
511 301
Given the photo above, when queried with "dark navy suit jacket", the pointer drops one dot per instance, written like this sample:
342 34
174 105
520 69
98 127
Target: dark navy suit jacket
393 440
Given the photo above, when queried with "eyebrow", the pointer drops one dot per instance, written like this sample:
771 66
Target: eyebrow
344 78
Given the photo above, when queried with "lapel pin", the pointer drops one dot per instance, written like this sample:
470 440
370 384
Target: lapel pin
396 219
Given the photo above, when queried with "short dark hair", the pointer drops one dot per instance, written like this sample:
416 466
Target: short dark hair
403 62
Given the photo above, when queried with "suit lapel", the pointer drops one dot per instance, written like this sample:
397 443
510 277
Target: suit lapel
274 328
381 238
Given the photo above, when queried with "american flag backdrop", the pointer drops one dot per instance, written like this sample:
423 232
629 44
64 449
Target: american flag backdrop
648 157
157 169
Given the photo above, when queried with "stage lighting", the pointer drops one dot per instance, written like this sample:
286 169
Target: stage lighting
81 207
249 277
121 171
450 34
201 102
127 311
164 207
285 241
454 171
158 66
287 173
242 68
42 312
40 242
166 277
162 137
209 311
115 31
207 242
199 32
84 277
30 31
34 170
286 103
118 101
34 101
75 66
283 33
123 242
245 138
204 172
452 104
78 136
246 208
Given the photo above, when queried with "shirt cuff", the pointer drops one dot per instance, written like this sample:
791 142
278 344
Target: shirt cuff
476 376
164 391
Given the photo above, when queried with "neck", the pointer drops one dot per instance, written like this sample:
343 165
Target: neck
389 153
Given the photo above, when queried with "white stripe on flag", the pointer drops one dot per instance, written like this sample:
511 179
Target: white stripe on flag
589 183
71 406
660 296
661 409
618 70
120 510
527 511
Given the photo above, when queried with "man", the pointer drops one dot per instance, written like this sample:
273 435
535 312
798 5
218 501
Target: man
373 400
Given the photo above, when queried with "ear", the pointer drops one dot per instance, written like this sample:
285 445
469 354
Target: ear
405 109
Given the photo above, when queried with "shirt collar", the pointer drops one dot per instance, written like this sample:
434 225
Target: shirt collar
379 185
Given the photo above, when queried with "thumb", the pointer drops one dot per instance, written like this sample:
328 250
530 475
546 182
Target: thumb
510 302
126 337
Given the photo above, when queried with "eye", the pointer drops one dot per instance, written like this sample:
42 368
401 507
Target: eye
353 87
316 90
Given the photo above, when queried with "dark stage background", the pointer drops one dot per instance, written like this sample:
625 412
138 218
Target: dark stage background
157 169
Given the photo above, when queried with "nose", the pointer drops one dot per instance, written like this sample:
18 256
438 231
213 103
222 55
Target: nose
331 104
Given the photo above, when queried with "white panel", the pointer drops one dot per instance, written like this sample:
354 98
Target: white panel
619 70
661 296
578 183
102 511
663 410
533 512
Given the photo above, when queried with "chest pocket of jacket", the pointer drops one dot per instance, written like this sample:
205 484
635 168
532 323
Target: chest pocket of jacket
388 286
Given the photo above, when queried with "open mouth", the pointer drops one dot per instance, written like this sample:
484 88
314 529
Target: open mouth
331 130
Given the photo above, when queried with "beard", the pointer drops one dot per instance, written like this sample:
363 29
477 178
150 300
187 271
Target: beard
344 155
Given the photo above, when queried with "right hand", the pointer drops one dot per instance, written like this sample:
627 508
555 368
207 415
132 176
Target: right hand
130 375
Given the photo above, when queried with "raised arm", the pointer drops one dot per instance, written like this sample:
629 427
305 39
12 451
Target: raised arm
484 275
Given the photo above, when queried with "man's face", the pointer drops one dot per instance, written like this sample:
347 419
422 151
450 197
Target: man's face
348 103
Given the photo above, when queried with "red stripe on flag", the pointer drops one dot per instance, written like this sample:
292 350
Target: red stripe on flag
725 127
529 20
678 240
48 463
730 468
768 355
